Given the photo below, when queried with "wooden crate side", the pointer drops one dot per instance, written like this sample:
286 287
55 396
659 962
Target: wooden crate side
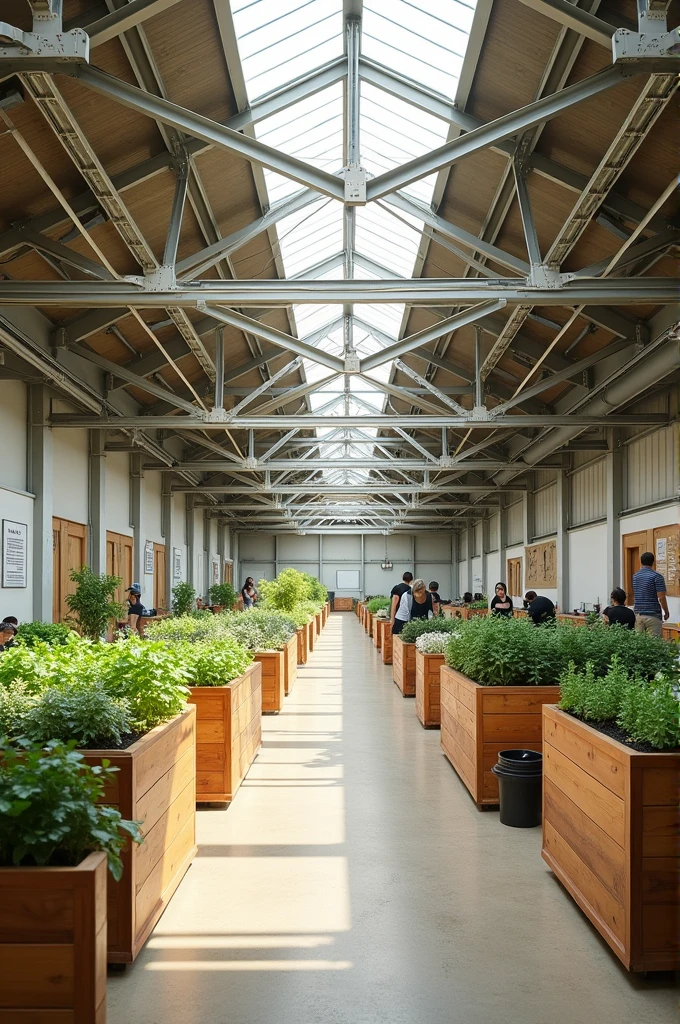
302 652
273 682
53 963
246 729
290 664
343 604
311 636
404 666
386 645
428 698
377 632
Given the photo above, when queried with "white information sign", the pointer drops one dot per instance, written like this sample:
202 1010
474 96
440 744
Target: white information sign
148 558
176 564
14 554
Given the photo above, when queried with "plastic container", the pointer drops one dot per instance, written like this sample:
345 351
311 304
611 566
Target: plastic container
520 781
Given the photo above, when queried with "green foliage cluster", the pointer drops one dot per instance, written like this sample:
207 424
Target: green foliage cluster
87 691
183 597
377 603
51 633
315 590
477 605
176 628
91 605
215 661
256 629
298 594
223 594
49 814
648 711
417 627
498 651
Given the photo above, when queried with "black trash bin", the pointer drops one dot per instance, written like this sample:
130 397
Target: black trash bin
520 779
331 596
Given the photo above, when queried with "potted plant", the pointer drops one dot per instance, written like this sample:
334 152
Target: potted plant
430 651
183 597
92 606
56 837
379 609
123 704
404 651
610 807
222 595
271 636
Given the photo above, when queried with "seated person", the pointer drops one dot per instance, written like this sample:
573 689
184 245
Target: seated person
617 611
540 609
434 590
467 597
7 632
501 602
136 609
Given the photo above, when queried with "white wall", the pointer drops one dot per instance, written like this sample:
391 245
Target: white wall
14 600
588 566
117 492
663 516
13 418
178 536
494 574
70 485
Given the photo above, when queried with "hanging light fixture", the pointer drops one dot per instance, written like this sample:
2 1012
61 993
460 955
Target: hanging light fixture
386 563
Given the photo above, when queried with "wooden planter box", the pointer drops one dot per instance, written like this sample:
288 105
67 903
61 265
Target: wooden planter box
572 620
273 679
669 632
311 635
343 604
386 643
478 721
228 734
302 644
404 666
53 943
155 784
378 625
368 622
290 664
610 834
318 623
428 688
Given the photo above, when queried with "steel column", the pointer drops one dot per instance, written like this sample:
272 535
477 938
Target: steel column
97 501
562 540
40 474
614 504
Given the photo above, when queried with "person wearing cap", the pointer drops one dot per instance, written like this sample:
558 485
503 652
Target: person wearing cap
7 634
136 609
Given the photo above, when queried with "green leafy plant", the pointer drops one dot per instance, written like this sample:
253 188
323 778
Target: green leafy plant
49 810
92 606
184 627
150 675
87 714
260 630
183 597
650 713
16 700
496 651
479 605
417 627
214 662
41 665
51 633
377 603
288 589
223 594
433 643
315 590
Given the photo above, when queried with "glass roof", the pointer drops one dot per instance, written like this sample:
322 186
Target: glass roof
281 40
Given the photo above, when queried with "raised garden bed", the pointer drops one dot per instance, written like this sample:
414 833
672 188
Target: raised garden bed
386 643
228 734
478 721
53 943
311 635
368 622
404 666
302 634
273 679
377 631
610 833
155 784
428 668
343 604
290 664
318 623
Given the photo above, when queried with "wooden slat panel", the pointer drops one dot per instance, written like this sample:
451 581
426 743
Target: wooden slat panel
524 700
660 831
660 928
605 766
36 975
211 731
661 880
32 915
211 756
164 832
37 1017
167 748
159 797
591 844
660 786
514 730
598 802
151 896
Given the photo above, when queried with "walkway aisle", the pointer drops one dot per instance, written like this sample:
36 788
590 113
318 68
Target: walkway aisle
353 881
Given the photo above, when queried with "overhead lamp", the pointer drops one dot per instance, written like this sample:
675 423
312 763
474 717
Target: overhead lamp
386 563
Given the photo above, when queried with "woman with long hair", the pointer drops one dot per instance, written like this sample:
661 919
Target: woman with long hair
417 603
249 593
501 603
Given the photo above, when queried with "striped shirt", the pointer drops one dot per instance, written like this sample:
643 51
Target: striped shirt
646 585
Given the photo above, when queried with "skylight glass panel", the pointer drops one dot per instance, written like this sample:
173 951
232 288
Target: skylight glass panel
424 40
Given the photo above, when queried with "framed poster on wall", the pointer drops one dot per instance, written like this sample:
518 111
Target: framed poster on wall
14 554
215 571
148 558
176 565
348 579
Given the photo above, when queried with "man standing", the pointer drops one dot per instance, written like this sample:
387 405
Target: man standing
397 591
649 591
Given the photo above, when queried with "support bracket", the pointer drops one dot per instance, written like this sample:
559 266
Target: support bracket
631 47
46 50
355 186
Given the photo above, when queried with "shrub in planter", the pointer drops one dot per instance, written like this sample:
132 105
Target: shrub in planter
640 654
285 592
16 700
260 630
214 662
417 627
646 712
378 603
49 810
479 605
223 594
51 633
41 665
183 597
433 643
184 628
91 605
315 590
86 714
150 675
505 652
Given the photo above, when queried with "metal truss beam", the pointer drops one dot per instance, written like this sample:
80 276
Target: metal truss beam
284 465
568 14
194 124
503 127
420 292
320 486
134 12
284 341
132 378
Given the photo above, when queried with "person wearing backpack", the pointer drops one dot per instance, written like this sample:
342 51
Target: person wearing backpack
418 603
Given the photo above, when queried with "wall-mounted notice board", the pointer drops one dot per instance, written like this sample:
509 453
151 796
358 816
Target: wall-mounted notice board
666 551
541 565
348 579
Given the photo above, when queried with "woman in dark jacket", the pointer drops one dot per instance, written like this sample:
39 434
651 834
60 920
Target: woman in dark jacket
501 603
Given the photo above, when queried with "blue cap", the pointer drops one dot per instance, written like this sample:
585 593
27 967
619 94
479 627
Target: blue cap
135 588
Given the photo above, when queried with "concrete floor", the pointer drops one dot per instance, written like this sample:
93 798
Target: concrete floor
353 881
